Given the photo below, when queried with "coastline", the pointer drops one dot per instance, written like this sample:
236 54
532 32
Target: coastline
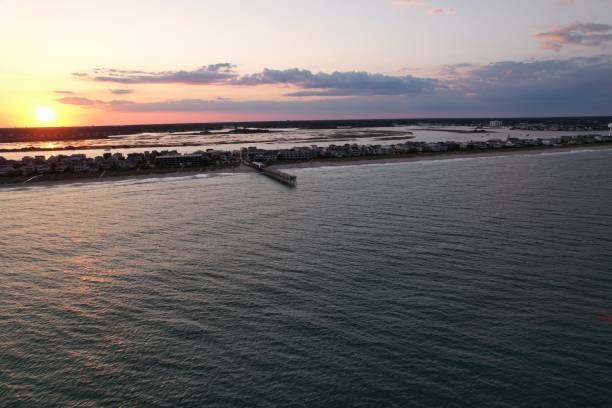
59 179
120 175
417 157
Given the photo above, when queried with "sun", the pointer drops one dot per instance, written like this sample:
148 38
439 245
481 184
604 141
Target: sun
45 114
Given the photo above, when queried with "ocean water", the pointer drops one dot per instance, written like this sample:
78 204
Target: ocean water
469 282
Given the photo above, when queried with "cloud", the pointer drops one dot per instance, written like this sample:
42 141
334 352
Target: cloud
581 34
64 92
452 71
312 108
439 11
568 2
575 86
350 83
76 100
93 103
206 75
121 91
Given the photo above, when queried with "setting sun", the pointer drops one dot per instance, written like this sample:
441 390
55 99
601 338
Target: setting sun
44 114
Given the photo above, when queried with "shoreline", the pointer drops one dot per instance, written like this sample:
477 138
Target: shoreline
59 179
119 175
417 157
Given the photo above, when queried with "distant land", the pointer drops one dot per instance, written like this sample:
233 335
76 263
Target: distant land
37 134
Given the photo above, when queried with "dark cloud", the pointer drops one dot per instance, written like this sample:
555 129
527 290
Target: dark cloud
275 76
339 83
577 86
121 91
587 35
309 83
206 75
64 92
572 86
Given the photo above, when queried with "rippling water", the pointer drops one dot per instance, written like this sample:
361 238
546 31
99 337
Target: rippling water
464 282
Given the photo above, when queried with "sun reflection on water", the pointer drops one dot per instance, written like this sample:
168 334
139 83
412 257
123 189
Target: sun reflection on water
51 145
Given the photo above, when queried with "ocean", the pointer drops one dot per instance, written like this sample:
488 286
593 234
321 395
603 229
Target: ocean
465 282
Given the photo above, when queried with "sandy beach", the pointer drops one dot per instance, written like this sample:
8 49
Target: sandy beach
55 179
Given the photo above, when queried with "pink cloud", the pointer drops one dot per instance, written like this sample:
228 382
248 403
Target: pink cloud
581 34
76 100
439 11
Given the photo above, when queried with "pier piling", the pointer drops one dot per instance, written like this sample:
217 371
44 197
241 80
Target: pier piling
277 175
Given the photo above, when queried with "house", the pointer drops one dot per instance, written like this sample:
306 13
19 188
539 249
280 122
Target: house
6 170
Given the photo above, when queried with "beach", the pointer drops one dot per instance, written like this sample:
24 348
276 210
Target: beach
117 175
57 179
417 157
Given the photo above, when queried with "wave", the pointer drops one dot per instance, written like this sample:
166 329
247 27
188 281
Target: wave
103 183
426 160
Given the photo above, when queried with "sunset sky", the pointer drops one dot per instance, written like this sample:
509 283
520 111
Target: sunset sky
69 62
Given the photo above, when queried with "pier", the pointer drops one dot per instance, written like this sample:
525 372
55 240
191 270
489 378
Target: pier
277 175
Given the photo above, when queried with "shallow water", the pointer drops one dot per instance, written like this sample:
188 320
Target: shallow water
276 139
464 282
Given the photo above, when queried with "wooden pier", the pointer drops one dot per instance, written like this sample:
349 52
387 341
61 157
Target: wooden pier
277 175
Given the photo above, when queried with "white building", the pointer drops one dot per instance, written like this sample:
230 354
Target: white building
496 123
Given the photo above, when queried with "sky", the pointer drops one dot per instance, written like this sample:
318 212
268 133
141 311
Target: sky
74 62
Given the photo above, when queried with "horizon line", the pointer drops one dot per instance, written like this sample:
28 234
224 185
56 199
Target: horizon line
561 116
